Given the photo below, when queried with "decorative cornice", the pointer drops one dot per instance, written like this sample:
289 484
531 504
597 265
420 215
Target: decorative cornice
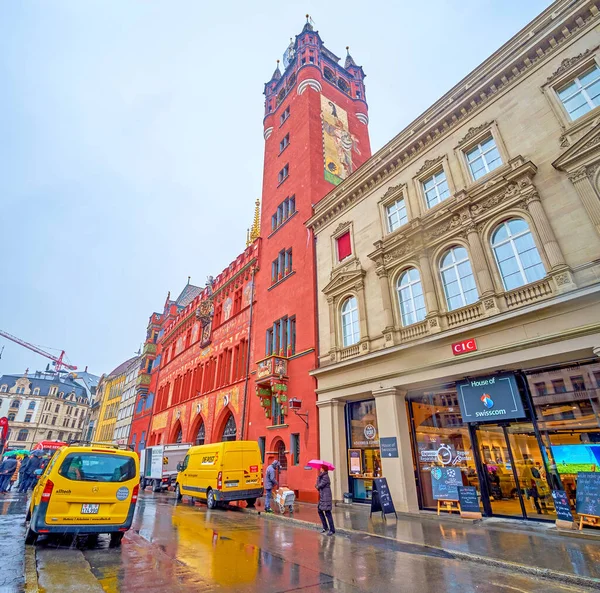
568 63
268 133
578 175
521 55
430 163
474 132
362 117
341 227
398 252
309 83
392 191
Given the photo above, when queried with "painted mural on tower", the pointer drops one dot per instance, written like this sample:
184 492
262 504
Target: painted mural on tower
338 142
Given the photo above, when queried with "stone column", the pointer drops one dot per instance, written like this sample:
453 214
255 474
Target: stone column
362 316
587 195
332 443
332 339
392 421
545 232
480 266
384 286
431 300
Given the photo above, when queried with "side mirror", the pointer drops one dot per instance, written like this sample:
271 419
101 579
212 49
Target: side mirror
38 472
180 467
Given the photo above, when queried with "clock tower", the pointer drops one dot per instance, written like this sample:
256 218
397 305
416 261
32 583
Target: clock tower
316 135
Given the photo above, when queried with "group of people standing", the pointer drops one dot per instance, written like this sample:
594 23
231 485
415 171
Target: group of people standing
21 468
323 485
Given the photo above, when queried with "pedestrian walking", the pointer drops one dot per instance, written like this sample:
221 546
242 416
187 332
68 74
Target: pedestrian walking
7 469
535 495
23 471
270 483
323 485
15 475
34 463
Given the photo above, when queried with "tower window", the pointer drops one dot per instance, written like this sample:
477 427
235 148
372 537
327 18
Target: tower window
284 143
284 115
283 174
286 209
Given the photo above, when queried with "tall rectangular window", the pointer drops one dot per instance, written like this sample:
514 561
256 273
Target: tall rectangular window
483 158
283 174
578 383
262 446
284 143
281 337
436 189
582 94
396 215
344 247
295 448
285 114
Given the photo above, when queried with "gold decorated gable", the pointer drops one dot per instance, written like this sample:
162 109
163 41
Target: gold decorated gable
160 420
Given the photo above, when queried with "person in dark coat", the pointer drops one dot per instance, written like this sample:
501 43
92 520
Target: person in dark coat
23 472
7 469
270 483
323 485
35 462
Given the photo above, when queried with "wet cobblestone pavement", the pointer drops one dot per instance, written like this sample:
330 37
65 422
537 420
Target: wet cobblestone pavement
188 548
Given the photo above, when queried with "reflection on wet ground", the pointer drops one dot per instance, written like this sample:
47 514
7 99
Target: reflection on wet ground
188 548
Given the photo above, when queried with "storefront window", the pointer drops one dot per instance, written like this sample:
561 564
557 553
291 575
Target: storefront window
364 456
442 440
568 417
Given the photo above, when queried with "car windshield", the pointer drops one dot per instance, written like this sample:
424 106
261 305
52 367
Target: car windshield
97 467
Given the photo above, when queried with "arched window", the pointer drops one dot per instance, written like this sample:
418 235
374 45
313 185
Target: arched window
179 436
230 430
200 435
4 389
11 417
410 295
32 405
457 278
350 328
49 437
15 404
36 391
23 434
517 256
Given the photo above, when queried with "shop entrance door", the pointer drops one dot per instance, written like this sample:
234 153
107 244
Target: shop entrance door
511 465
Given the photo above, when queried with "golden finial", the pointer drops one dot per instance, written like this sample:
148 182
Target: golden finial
255 228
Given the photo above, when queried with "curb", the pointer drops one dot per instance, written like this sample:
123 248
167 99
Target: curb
554 575
30 572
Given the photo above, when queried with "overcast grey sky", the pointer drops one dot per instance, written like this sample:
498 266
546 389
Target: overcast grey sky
132 149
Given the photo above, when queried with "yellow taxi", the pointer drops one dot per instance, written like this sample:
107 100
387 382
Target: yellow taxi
85 488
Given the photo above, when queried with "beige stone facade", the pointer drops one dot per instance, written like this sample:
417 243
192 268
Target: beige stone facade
541 169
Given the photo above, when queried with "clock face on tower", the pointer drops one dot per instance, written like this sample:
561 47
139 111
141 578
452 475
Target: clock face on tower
288 56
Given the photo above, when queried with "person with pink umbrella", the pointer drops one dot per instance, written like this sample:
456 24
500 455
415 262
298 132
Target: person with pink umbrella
323 485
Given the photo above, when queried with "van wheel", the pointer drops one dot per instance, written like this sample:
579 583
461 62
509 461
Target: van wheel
156 486
251 502
211 501
30 537
115 539
178 495
143 484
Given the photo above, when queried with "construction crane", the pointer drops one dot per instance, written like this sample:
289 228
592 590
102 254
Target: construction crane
57 360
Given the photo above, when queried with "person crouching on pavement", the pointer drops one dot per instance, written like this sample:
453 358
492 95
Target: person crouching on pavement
270 483
323 485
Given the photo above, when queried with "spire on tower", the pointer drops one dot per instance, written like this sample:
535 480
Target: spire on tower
254 232
349 59
309 24
277 73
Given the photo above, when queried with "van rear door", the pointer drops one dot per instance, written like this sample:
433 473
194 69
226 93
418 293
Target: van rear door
252 468
233 473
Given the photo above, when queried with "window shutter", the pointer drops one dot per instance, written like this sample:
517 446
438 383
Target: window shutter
343 246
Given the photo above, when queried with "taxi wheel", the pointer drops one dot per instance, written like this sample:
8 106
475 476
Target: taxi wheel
30 537
211 501
178 495
115 539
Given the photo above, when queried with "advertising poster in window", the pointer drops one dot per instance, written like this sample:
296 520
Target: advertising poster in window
363 425
355 462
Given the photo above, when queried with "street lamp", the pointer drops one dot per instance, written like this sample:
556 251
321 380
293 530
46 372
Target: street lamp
295 404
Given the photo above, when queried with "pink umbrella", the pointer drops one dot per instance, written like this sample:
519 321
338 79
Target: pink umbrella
318 463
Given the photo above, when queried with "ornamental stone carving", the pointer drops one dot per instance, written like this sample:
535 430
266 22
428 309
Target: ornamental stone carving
393 189
578 175
568 63
474 131
430 163
340 227
562 279
398 252
489 304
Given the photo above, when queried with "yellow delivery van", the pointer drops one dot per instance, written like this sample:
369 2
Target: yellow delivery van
221 473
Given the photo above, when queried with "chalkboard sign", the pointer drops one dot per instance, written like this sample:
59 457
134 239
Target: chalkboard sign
562 506
588 493
469 501
445 482
381 499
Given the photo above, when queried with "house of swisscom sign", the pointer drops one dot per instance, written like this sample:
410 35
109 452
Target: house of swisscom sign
490 399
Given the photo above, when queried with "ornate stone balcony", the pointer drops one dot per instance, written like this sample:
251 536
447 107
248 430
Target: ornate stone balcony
464 315
528 293
350 352
149 348
271 367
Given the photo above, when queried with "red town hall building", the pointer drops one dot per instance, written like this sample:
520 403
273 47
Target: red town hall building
316 135
233 362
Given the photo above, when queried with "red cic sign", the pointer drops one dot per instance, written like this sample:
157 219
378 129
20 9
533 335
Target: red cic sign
465 346
3 427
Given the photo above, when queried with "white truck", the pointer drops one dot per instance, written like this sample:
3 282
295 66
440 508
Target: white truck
158 465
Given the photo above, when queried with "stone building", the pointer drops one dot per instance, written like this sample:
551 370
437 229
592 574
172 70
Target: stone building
125 412
42 406
473 269
110 390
